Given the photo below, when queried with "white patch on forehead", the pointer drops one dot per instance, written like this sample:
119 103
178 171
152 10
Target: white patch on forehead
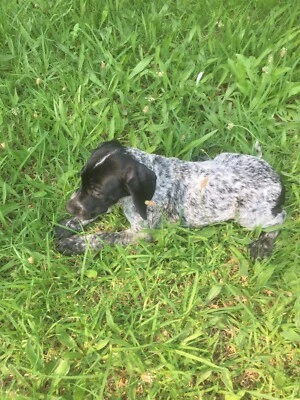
105 158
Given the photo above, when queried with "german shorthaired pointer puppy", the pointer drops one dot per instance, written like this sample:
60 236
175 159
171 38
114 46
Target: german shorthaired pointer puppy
150 187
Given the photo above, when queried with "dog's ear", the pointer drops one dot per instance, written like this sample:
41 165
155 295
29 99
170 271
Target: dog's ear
141 184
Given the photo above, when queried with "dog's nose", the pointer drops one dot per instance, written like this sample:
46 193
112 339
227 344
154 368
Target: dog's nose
73 207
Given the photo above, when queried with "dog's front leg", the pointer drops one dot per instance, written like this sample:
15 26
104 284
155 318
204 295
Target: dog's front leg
69 227
96 241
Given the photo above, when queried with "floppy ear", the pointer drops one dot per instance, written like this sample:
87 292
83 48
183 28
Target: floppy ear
141 184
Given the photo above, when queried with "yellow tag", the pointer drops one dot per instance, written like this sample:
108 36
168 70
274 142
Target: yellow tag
150 203
204 182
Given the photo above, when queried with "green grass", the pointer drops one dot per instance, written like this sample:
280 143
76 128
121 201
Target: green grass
186 317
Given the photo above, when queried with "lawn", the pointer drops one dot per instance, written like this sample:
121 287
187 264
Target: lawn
188 316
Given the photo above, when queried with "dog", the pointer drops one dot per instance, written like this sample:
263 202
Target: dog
151 187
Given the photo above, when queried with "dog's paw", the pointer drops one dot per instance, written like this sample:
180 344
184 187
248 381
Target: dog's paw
79 244
263 246
71 245
67 228
258 251
60 232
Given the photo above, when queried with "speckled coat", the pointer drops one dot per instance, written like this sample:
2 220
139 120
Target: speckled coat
229 187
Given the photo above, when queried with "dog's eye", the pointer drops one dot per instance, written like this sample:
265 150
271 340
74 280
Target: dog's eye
98 195
95 190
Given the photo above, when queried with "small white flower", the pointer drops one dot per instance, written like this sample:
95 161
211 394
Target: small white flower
258 149
150 99
147 377
15 111
265 70
283 52
199 77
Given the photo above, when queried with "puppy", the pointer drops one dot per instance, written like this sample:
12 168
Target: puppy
151 187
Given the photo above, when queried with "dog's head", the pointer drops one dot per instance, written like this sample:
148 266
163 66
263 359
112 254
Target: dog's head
109 175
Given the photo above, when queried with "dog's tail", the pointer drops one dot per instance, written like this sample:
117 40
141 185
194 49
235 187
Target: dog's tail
258 150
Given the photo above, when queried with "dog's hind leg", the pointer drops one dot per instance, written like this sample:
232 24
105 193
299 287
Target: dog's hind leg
263 246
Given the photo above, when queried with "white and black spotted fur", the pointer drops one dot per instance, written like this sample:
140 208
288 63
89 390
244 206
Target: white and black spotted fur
150 187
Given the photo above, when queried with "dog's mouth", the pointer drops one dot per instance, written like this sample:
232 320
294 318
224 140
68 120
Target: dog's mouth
86 217
85 212
85 221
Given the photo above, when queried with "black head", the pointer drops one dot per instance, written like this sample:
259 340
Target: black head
110 174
